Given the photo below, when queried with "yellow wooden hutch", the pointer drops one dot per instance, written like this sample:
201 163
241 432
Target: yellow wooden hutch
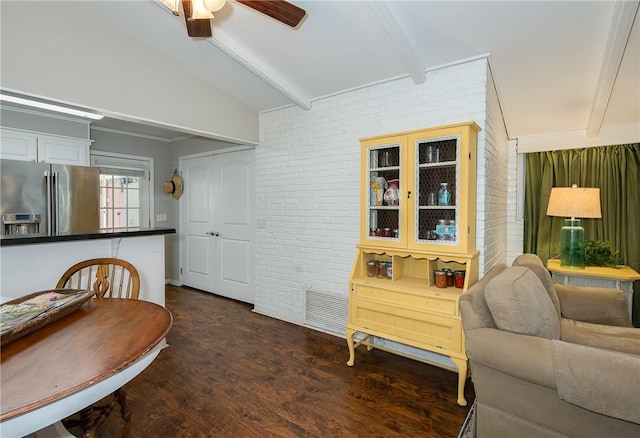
408 237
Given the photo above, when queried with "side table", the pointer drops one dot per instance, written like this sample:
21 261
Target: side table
596 276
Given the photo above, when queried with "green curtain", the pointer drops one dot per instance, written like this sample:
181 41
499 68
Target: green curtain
615 170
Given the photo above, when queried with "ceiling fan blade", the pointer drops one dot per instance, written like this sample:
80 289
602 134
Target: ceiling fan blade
195 28
283 11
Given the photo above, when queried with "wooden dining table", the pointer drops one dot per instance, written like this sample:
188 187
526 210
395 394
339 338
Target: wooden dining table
77 360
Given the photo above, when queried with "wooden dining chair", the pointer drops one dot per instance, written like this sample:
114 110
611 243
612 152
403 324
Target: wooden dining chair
108 278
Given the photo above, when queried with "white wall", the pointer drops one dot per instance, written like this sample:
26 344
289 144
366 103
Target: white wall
493 188
57 124
515 203
63 51
308 177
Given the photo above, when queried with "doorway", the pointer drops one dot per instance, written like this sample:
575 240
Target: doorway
217 223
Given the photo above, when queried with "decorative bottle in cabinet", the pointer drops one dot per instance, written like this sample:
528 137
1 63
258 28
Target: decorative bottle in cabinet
444 195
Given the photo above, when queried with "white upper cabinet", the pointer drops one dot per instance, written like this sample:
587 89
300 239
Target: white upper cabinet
60 150
18 145
31 146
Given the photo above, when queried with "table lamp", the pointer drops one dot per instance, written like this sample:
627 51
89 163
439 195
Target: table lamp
573 202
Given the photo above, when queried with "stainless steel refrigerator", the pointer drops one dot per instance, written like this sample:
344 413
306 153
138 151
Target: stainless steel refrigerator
48 199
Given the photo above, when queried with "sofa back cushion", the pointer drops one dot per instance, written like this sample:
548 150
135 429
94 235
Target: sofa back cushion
520 304
533 262
473 307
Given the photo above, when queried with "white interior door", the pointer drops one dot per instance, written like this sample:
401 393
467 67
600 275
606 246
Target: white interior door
217 224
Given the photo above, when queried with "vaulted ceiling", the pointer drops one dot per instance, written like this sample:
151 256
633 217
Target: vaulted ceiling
558 66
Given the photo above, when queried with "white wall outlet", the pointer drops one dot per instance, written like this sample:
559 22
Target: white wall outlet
161 217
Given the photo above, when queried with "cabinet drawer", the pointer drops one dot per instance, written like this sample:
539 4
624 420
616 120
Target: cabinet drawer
427 301
424 330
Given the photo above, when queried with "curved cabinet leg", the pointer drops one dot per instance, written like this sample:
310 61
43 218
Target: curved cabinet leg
352 350
462 378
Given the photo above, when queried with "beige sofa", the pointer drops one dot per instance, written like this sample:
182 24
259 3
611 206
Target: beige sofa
538 368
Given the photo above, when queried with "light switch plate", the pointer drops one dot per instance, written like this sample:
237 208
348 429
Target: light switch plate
161 217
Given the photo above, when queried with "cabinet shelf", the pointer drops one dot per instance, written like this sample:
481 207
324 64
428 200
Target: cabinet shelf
436 207
384 169
410 285
384 207
438 164
413 271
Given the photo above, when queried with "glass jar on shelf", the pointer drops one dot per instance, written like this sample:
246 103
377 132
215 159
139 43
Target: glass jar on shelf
458 277
385 160
451 230
372 268
440 278
450 279
441 229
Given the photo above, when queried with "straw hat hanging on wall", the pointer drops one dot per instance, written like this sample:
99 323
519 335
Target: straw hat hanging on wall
174 186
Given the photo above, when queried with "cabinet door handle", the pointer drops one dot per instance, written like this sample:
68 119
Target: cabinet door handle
213 233
408 194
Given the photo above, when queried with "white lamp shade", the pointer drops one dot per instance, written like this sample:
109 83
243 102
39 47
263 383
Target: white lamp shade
199 11
214 5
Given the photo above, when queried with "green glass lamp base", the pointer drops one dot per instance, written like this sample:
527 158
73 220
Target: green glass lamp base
572 244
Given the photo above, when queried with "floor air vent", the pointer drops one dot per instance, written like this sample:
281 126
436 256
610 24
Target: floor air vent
327 312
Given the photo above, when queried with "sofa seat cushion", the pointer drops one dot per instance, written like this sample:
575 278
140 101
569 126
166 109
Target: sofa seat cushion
608 337
520 304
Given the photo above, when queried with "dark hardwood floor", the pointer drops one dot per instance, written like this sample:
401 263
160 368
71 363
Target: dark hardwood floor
229 372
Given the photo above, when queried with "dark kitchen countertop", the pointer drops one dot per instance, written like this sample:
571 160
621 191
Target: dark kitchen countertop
31 239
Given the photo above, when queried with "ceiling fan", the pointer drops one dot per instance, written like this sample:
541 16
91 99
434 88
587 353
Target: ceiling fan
199 12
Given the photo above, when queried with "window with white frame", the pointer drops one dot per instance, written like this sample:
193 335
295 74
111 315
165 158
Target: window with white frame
125 189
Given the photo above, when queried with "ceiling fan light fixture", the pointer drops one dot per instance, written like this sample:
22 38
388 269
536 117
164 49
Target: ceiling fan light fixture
214 5
199 11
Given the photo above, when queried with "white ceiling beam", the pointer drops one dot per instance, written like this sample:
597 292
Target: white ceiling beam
623 17
264 71
397 39
248 60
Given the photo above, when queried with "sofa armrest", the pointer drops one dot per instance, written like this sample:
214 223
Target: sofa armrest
593 304
524 357
601 381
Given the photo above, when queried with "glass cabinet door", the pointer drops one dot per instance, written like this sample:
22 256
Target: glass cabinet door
383 186
437 186
442 173
419 189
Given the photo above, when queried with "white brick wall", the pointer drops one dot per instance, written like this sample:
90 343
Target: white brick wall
308 177
493 187
515 226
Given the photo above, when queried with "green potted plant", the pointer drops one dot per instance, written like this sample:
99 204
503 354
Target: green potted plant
597 253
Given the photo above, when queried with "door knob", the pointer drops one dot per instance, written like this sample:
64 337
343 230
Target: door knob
213 233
